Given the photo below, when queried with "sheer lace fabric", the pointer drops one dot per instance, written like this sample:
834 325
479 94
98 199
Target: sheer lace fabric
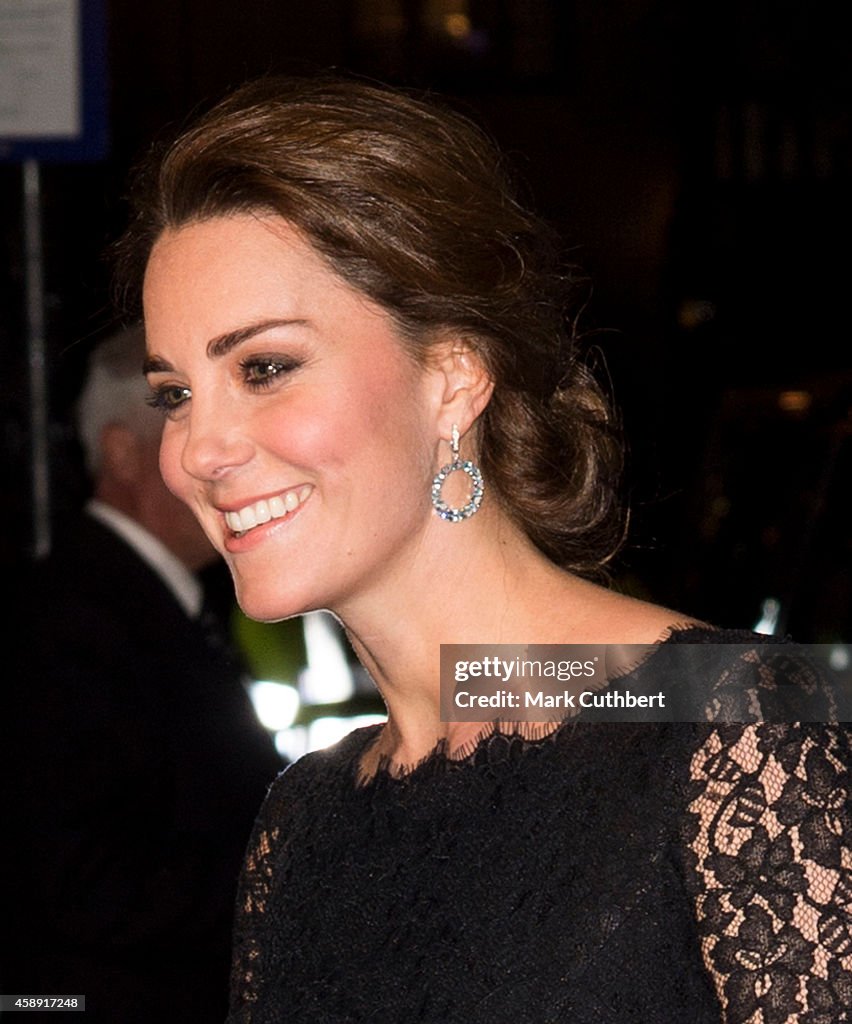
603 873
770 858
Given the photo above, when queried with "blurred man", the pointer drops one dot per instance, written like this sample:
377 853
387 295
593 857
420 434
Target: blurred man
138 762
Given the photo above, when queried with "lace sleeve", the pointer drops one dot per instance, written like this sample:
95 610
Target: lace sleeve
250 917
769 845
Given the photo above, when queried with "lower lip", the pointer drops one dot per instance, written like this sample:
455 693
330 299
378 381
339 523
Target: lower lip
258 534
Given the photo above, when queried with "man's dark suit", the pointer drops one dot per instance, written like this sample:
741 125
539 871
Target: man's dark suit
135 770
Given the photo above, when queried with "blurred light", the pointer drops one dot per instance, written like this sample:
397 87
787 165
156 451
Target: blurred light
275 704
839 658
323 732
292 743
768 623
328 677
795 401
457 25
694 313
299 740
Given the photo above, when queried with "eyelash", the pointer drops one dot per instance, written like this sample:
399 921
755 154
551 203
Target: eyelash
168 398
273 368
161 398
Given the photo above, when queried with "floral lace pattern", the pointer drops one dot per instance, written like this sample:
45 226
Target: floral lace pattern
257 879
771 868
600 874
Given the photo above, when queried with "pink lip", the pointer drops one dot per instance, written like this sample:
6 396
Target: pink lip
257 535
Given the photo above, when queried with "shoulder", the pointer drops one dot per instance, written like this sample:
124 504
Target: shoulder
312 778
340 758
615 618
88 564
745 677
704 674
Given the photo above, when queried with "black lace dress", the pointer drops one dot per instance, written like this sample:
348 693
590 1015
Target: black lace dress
654 873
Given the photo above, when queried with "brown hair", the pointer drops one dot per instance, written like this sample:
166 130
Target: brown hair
409 203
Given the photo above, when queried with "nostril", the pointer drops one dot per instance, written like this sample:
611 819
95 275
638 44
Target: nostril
213 448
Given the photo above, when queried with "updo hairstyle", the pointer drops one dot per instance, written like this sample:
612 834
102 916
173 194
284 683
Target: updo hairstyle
409 203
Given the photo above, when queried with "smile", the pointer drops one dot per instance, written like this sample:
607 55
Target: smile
260 512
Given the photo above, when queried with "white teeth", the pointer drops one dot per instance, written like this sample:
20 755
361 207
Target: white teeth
264 510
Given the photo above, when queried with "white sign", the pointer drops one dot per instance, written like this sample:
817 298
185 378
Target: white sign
40 69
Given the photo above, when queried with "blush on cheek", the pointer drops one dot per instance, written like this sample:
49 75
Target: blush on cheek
314 436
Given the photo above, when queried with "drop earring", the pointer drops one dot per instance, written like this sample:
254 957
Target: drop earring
445 511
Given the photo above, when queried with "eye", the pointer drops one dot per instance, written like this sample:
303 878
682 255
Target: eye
168 398
262 371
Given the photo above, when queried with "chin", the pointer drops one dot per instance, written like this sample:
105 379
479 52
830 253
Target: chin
267 607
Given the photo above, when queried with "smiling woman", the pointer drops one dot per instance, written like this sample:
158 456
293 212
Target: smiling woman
375 404
288 397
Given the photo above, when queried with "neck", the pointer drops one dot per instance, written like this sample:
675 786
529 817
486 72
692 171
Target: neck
478 582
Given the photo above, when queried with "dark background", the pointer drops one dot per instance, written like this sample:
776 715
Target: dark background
696 158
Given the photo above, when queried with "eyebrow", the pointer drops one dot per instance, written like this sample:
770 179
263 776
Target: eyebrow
224 343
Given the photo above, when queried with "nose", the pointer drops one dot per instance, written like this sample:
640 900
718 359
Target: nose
216 441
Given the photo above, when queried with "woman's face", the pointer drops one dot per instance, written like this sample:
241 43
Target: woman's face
298 429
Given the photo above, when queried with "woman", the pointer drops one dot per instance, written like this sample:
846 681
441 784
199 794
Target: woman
372 404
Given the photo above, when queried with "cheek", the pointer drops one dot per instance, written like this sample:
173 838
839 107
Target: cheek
311 433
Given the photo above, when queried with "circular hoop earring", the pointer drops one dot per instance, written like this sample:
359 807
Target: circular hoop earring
445 511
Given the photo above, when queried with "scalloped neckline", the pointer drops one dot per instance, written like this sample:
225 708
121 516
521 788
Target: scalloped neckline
441 757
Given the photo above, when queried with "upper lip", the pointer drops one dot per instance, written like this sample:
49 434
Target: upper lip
241 503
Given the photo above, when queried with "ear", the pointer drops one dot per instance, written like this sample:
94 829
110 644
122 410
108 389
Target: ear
464 385
120 453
